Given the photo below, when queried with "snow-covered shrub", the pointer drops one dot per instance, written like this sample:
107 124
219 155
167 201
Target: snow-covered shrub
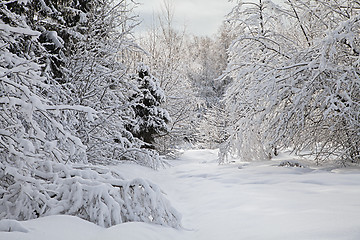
93 193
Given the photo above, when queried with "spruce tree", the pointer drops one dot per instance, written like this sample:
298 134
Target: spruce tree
150 118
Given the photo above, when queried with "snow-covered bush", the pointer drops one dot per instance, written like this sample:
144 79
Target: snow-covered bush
93 193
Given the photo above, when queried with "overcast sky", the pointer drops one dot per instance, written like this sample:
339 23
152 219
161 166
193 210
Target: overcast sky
200 17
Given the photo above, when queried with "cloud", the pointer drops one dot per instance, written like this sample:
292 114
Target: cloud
201 17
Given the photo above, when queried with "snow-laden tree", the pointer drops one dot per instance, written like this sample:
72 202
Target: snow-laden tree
86 45
44 155
317 106
150 119
257 49
298 93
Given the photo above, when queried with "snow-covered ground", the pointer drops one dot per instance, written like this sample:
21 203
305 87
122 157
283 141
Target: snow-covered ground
237 201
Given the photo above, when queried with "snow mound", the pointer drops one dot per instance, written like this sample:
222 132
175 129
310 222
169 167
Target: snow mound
8 225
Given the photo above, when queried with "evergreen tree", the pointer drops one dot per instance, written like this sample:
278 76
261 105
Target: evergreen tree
150 119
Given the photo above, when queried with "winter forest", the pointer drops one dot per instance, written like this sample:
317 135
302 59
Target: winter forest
92 115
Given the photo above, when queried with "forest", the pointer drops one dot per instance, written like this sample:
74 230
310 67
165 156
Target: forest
80 93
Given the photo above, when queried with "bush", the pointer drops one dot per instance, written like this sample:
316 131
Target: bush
93 193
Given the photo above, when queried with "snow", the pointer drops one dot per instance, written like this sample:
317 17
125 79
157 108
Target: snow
241 200
8 225
19 30
53 36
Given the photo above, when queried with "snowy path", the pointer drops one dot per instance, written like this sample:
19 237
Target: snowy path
262 200
243 201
